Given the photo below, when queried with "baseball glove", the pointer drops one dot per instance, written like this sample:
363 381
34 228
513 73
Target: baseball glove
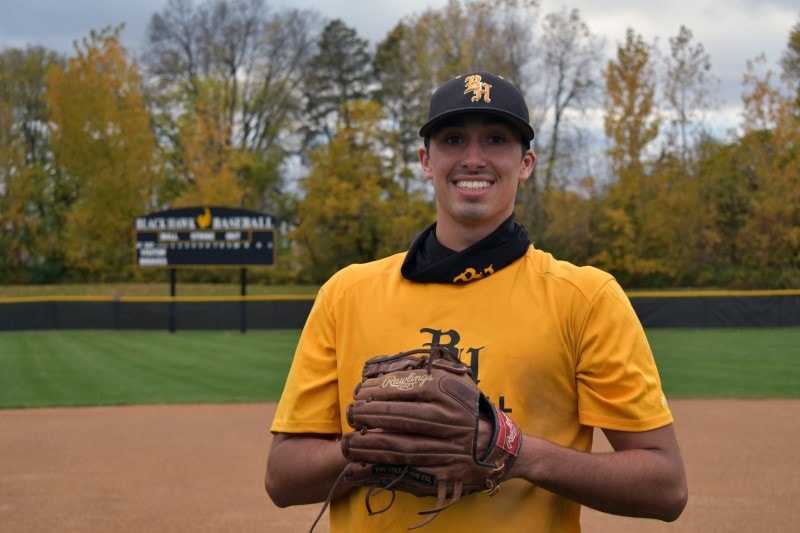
416 416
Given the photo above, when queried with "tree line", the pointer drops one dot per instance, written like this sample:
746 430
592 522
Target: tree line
234 103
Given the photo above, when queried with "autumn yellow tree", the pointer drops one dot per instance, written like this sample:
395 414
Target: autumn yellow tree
631 124
688 86
790 61
771 233
34 195
15 241
101 137
206 162
226 80
351 211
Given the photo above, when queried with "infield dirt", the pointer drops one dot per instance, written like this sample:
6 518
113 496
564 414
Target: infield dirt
200 468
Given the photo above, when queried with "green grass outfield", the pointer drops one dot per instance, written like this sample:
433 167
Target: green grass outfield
85 367
106 367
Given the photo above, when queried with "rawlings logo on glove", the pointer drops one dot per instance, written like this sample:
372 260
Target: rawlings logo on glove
406 383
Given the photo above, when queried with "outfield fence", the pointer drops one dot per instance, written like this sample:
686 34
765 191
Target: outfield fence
683 309
717 309
154 313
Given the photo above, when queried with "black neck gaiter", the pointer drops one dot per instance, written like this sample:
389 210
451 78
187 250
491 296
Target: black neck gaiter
430 262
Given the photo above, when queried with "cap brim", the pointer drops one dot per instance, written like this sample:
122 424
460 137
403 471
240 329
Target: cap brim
523 127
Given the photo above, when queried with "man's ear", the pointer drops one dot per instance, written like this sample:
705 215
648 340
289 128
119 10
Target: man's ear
528 161
425 162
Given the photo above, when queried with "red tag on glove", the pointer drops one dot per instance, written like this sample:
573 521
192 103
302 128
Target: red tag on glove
508 433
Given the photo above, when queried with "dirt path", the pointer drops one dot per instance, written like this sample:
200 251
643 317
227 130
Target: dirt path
199 468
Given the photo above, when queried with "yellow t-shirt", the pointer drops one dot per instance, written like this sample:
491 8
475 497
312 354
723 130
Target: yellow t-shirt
558 347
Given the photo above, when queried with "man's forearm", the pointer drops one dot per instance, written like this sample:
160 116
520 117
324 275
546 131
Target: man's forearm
302 469
644 482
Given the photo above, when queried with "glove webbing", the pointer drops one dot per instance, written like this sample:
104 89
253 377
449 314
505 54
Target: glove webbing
428 359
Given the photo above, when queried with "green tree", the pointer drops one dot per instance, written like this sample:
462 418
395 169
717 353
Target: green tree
403 93
340 72
102 139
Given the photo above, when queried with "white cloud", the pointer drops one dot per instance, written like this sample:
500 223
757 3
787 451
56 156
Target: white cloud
731 31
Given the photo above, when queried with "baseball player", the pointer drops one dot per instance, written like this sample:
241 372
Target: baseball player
553 349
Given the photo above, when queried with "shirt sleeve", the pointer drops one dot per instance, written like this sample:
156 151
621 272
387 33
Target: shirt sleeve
618 383
310 399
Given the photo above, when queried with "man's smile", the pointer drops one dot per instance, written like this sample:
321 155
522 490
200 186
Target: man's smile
473 185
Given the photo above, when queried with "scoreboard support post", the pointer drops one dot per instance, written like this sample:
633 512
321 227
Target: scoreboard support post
243 302
172 293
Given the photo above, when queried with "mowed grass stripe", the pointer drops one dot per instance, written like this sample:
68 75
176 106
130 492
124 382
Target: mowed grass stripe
72 368
113 368
728 362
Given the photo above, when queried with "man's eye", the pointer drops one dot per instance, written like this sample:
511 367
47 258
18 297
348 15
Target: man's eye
452 139
497 139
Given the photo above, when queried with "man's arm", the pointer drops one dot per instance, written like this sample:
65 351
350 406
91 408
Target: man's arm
643 477
301 469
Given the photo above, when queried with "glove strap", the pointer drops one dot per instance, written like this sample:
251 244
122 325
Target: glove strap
336 484
504 447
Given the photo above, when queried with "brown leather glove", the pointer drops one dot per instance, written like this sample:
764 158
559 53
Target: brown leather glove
416 416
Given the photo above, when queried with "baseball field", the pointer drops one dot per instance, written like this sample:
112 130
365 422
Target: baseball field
151 431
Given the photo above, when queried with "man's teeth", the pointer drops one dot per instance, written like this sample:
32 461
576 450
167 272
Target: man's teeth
473 185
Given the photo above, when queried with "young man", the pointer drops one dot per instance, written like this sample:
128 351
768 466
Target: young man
557 347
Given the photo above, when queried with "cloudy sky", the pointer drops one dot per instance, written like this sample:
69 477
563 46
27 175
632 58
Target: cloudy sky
731 31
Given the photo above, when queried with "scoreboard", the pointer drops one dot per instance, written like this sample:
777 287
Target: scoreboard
204 237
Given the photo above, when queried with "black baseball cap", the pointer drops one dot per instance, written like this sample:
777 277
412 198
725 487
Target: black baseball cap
479 92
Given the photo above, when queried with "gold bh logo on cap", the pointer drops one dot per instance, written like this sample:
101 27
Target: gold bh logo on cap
474 85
